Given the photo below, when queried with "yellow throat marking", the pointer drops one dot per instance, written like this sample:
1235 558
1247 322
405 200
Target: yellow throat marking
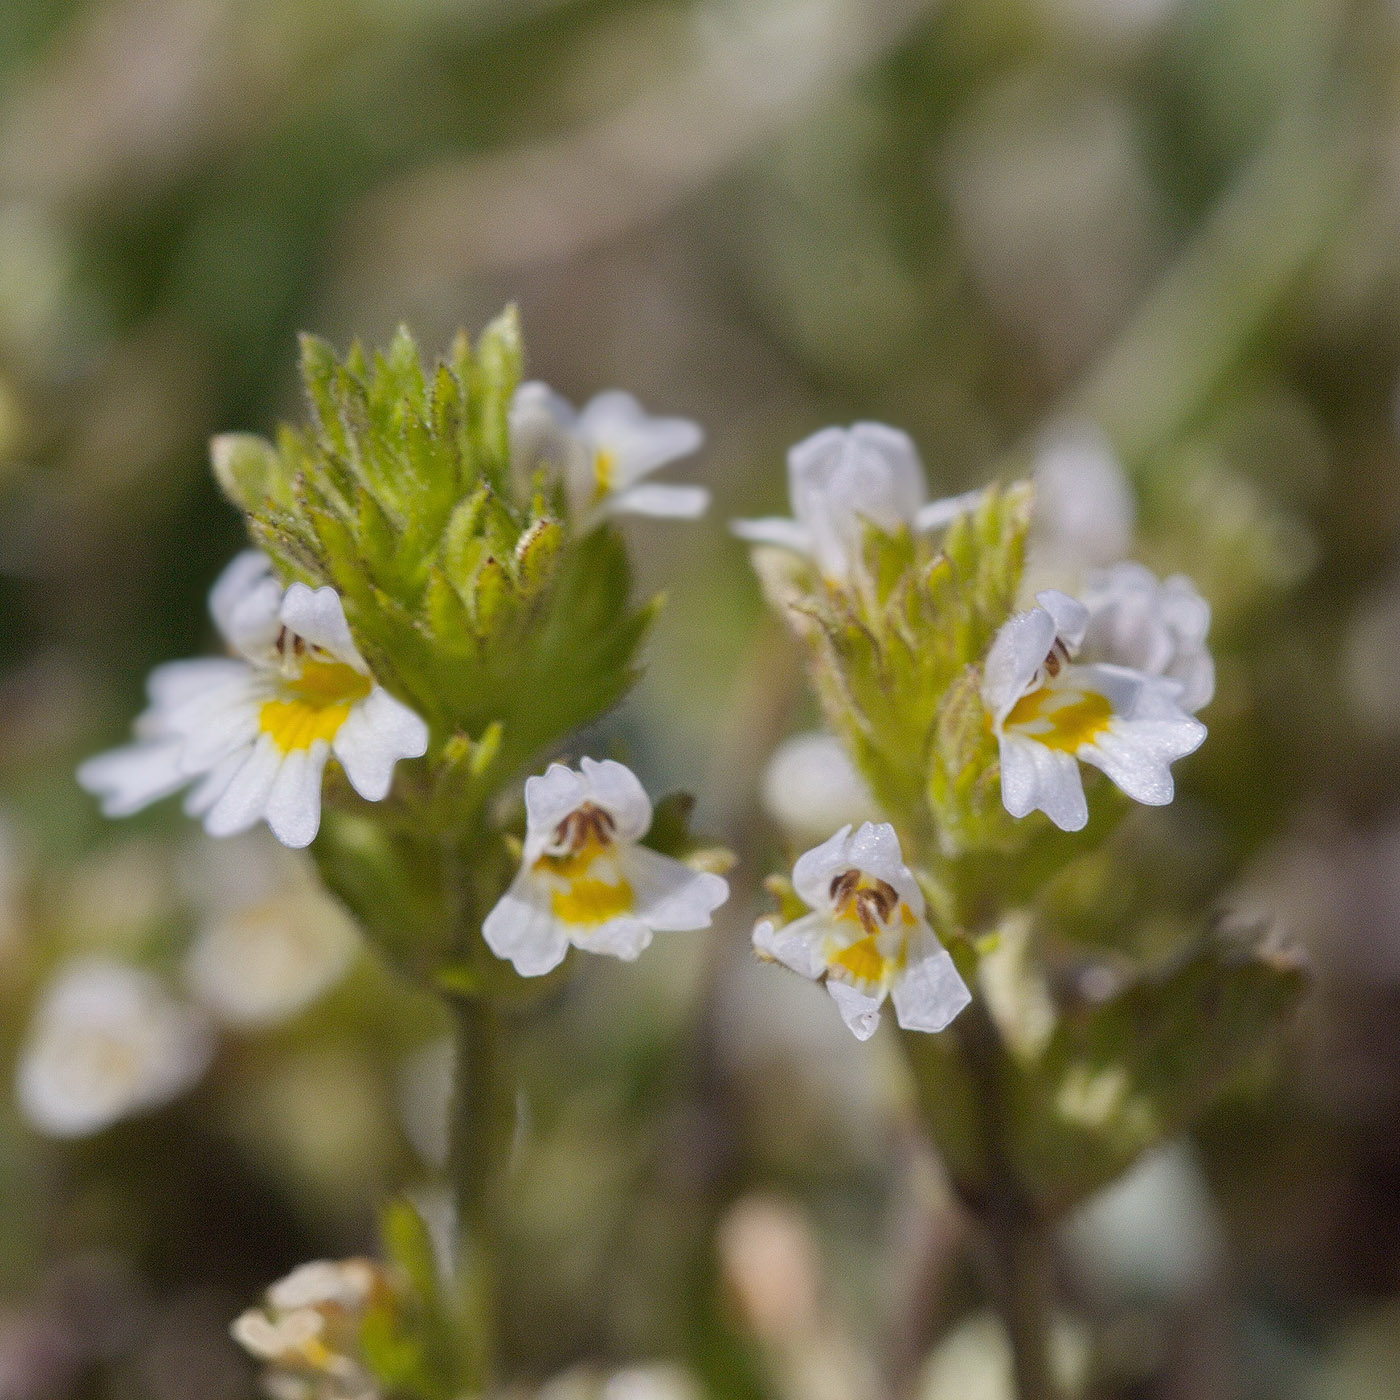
314 705
577 895
1064 720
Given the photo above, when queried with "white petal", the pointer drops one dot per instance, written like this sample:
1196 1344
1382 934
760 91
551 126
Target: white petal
244 602
1071 616
936 514
294 803
1018 774
176 682
523 929
378 731
663 502
815 869
207 791
624 938
670 896
244 800
875 849
797 945
318 615
1017 653
1137 754
616 788
130 778
549 798
616 423
1034 777
1060 789
775 530
860 1012
931 992
228 722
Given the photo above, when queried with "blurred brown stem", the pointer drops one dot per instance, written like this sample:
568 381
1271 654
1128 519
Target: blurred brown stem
481 1124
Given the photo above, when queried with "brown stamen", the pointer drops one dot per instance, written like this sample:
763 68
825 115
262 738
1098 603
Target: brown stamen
873 904
589 823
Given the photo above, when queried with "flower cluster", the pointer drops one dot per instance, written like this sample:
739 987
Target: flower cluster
925 666
253 732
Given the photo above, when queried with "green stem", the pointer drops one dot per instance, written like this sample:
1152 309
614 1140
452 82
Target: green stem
481 1125
1017 1252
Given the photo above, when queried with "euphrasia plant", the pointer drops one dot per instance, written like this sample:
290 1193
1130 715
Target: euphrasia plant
1000 735
435 601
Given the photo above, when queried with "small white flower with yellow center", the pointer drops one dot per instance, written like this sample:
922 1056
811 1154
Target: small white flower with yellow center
254 731
585 881
602 452
107 1042
867 935
1050 713
1158 628
842 479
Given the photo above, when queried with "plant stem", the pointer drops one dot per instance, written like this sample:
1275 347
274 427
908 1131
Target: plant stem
1017 1254
480 1127
1019 1270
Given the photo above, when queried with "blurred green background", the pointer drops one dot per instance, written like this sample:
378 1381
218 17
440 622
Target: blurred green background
1176 219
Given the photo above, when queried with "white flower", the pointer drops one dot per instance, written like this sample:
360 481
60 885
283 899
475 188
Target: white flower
273 942
842 479
602 452
257 728
811 786
1050 713
867 935
107 1042
1084 509
1158 628
584 879
309 1330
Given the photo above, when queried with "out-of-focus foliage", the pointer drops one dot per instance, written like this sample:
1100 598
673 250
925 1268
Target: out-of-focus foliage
1175 219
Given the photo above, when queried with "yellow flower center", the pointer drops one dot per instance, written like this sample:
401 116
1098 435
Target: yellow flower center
1065 720
314 705
876 960
578 894
604 472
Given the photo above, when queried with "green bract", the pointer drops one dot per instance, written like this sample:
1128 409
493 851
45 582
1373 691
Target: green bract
468 597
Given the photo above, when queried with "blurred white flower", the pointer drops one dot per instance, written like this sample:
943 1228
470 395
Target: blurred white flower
257 729
1157 628
866 936
107 1041
1084 509
585 880
308 1331
1154 1233
1050 713
602 452
660 1381
842 480
811 787
273 943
